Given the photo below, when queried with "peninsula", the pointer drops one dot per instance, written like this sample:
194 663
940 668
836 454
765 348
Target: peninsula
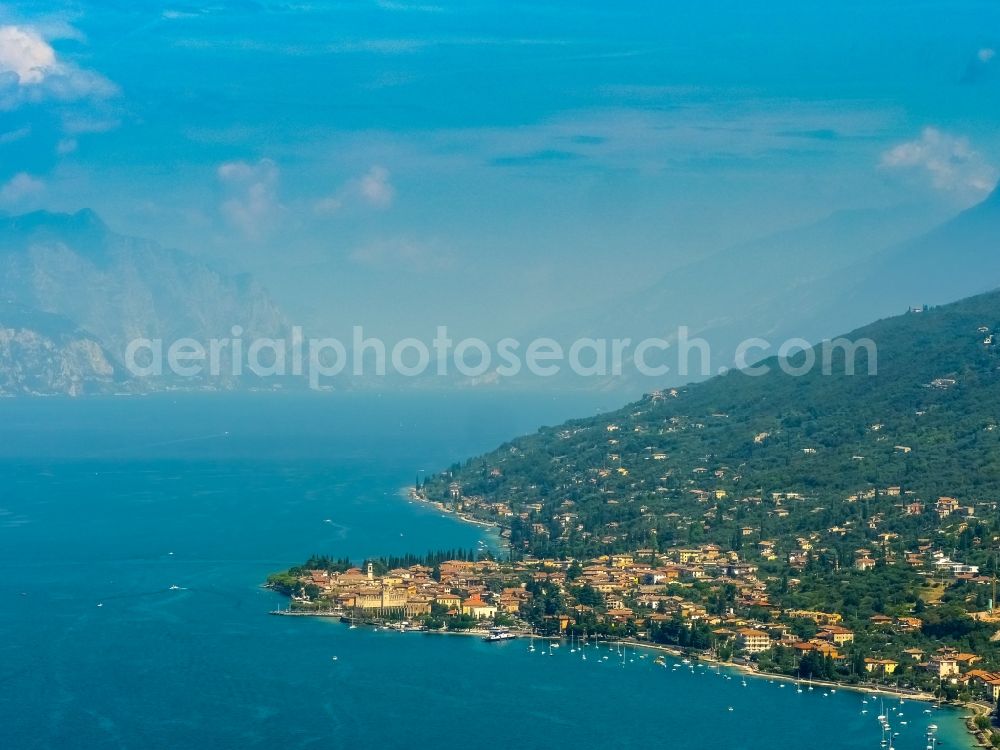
831 526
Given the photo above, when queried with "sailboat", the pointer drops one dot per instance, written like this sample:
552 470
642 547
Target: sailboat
883 719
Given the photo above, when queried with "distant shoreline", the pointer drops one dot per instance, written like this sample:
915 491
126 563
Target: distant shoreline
413 495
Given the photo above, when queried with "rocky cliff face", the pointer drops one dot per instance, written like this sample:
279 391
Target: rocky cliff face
34 364
44 354
74 294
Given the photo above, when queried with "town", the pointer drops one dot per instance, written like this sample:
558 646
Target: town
696 600
829 532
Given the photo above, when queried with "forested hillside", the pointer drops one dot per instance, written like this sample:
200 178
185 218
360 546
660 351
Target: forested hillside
741 459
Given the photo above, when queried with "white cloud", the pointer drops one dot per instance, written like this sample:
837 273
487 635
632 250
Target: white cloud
252 201
19 187
251 205
394 46
329 205
986 54
15 135
25 54
402 253
82 123
31 71
174 15
374 189
649 140
403 6
949 161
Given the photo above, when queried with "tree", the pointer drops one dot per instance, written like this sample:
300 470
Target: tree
813 665
858 663
574 571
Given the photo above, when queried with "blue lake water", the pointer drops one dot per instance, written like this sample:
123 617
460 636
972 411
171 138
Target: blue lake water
111 502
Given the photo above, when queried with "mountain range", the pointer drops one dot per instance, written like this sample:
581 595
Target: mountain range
810 282
73 294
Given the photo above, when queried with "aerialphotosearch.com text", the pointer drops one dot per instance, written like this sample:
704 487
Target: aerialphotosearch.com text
321 359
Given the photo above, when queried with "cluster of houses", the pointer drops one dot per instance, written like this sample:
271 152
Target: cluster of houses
944 663
907 504
630 590
828 641
565 521
460 588
633 589
632 586
926 558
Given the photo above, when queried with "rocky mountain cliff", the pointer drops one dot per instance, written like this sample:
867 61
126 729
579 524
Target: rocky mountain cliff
74 294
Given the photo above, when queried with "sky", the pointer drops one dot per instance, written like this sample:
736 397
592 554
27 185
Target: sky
407 163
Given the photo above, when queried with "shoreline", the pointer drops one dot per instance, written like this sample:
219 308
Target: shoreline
413 495
973 709
975 736
749 671
673 651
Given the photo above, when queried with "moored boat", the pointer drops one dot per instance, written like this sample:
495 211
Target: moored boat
499 634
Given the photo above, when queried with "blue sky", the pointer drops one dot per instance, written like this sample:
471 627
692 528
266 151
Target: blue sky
401 163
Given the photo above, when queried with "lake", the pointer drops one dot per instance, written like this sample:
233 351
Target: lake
106 504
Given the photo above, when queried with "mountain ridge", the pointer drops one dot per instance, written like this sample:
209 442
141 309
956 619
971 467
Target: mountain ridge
113 289
809 282
712 455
